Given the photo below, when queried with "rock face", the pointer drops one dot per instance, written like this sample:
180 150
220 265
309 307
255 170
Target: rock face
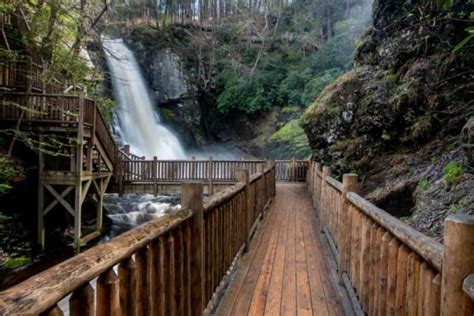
175 93
167 77
396 117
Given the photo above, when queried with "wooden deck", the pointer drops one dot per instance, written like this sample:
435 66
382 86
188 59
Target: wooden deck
286 271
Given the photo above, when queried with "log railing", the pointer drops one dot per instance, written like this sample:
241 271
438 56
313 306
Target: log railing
291 170
391 268
142 170
46 108
136 169
58 109
21 75
171 266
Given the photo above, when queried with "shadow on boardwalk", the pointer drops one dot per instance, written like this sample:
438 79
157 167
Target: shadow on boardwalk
286 270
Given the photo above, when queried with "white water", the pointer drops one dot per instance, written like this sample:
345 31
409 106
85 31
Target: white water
136 121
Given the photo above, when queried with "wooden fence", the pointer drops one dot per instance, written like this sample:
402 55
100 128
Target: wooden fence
291 170
139 169
391 268
63 109
171 266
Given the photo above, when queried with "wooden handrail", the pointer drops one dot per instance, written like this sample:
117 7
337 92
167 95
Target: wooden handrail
223 196
40 292
426 247
334 183
196 246
390 267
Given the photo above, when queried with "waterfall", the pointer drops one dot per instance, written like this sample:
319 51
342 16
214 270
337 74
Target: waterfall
136 121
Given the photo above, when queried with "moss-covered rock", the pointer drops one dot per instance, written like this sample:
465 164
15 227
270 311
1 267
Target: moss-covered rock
289 141
397 115
406 88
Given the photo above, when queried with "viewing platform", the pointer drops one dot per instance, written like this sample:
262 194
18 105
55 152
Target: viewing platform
286 270
262 248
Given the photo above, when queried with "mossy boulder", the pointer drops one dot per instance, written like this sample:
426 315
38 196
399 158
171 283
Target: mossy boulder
396 116
406 88
288 142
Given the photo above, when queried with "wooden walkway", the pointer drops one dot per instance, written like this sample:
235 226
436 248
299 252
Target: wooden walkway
286 270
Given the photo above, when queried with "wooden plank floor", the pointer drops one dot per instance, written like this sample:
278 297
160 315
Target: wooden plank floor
285 271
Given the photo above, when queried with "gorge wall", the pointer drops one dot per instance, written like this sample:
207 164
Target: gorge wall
167 61
396 117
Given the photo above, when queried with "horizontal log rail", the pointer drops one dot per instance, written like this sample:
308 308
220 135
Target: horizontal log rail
170 266
392 268
429 249
126 155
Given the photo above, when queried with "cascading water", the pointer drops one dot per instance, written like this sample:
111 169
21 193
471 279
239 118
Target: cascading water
136 121
138 124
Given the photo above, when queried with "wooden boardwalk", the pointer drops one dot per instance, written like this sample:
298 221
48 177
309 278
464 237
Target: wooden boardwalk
286 271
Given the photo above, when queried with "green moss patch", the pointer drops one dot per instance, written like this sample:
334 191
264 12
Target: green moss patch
289 141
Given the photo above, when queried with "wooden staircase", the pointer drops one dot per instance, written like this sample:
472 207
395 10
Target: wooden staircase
81 169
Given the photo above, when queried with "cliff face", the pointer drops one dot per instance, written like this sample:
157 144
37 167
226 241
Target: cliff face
396 117
174 91
167 59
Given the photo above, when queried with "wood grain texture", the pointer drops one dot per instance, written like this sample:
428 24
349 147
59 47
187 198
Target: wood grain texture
285 271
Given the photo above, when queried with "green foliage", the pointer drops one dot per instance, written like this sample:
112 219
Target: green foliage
106 107
423 185
7 172
16 262
453 172
460 205
444 4
252 79
247 92
289 141
467 39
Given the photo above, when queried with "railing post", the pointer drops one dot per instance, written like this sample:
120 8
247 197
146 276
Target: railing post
126 149
193 168
273 177
349 184
154 169
308 174
191 198
313 180
210 188
317 188
323 206
268 165
293 170
119 172
458 263
242 175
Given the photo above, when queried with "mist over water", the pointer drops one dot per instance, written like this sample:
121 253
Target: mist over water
136 121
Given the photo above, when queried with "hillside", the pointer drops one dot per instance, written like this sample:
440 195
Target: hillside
396 117
248 80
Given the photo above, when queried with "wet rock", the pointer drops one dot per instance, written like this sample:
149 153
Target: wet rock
396 116
175 91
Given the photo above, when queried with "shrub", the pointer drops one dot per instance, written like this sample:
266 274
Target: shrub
16 262
423 185
453 172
